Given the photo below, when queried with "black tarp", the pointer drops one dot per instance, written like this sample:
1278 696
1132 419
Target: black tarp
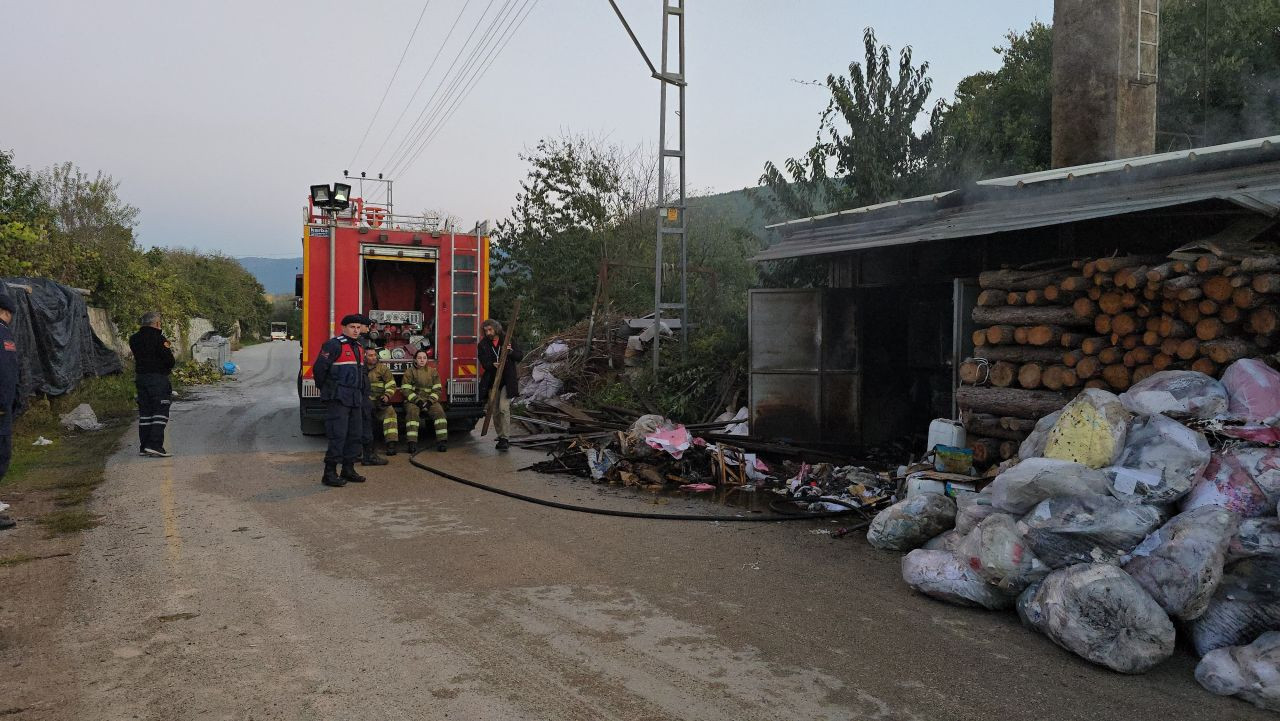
56 345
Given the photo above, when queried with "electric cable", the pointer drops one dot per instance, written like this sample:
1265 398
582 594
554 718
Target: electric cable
487 63
389 83
452 65
425 75
634 514
409 150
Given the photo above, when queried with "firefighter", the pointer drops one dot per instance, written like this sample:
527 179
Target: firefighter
344 388
422 389
488 351
382 386
153 362
8 391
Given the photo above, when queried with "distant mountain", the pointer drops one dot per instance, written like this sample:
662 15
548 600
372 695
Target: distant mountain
275 274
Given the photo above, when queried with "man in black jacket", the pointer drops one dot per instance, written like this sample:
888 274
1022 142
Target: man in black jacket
488 350
153 362
344 388
8 390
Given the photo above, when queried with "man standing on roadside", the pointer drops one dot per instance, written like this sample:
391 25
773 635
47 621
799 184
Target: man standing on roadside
153 362
488 351
344 387
8 391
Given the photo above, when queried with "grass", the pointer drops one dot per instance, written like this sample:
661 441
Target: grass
73 465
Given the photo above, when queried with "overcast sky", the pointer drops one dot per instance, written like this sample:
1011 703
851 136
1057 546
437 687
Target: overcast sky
216 116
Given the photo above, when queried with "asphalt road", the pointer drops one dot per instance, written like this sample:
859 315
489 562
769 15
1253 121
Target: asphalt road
227 583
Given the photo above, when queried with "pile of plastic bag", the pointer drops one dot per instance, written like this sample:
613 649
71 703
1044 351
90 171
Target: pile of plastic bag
1125 522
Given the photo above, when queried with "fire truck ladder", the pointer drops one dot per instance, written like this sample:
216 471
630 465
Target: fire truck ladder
464 276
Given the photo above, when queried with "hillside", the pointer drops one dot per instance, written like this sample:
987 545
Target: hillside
275 274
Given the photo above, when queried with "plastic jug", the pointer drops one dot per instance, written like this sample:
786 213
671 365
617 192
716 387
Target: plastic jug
945 432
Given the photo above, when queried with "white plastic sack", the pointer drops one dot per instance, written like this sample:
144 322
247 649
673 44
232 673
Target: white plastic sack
1020 488
1033 445
945 541
1161 461
941 575
1244 479
1181 394
1101 614
996 550
1254 388
910 523
971 509
1091 529
1090 431
1180 564
1246 605
1256 537
82 417
555 350
1251 672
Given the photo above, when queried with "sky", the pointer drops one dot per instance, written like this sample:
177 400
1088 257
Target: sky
216 116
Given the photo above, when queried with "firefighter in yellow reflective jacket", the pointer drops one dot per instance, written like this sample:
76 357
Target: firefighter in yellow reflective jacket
382 386
422 389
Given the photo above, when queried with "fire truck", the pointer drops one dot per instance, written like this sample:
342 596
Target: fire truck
422 286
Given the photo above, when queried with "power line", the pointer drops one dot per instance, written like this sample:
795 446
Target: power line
473 66
413 131
487 63
425 75
389 83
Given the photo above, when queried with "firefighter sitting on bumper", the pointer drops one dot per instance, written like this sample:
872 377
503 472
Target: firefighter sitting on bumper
422 388
382 386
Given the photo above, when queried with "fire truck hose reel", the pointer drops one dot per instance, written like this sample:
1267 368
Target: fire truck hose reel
654 516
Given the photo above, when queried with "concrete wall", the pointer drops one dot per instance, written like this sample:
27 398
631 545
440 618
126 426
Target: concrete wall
117 341
1103 107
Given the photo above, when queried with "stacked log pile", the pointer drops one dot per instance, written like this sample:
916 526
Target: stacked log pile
1045 334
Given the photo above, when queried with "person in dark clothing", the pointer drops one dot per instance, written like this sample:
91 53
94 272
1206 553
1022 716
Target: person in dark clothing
488 351
8 391
153 362
344 387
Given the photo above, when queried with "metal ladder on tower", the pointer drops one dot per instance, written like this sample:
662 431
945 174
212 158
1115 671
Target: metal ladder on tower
1148 48
464 308
671 216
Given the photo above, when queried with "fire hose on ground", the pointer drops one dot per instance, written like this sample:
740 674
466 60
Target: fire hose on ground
779 516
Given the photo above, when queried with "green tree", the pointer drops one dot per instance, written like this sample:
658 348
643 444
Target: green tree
1219 71
866 150
999 121
222 291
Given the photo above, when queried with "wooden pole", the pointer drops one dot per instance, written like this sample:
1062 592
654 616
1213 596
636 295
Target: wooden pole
498 371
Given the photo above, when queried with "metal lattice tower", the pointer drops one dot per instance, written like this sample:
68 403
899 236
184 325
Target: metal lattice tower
671 215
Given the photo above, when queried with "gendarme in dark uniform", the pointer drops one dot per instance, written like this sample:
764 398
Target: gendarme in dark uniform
8 390
344 387
153 362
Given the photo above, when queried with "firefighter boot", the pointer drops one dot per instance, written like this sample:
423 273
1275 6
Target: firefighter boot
331 477
413 447
349 474
391 448
371 458
442 446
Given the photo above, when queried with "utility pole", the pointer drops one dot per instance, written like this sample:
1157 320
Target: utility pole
671 215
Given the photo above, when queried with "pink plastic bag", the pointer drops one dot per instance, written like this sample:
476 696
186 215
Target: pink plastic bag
1245 480
1254 389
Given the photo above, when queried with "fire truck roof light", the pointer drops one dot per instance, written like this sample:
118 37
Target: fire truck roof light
341 193
320 194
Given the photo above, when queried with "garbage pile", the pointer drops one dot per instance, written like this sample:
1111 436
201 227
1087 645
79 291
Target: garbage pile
563 363
653 453
1125 522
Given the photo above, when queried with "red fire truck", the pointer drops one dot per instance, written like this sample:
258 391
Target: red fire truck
423 287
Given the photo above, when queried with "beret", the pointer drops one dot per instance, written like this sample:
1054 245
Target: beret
354 318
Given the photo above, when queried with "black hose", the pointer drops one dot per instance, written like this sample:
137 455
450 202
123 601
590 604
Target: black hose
633 514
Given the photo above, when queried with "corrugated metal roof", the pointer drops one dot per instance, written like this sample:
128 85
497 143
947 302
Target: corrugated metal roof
1246 173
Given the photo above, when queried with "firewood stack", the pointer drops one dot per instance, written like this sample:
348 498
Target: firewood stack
1109 323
